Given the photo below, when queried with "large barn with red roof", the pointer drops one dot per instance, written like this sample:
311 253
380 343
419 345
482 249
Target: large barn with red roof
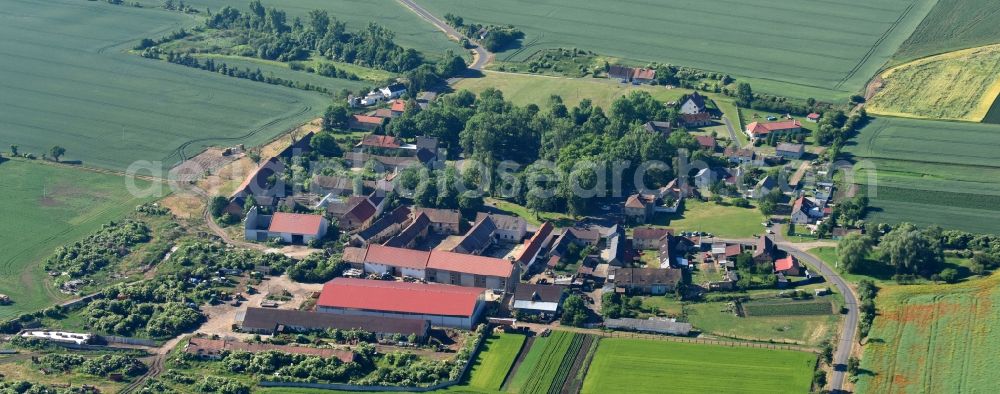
443 305
441 267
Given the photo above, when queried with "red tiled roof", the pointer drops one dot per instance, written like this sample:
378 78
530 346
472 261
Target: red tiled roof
733 250
398 105
650 232
634 201
397 257
757 128
362 211
402 297
295 223
365 119
785 264
532 246
380 141
706 141
381 113
471 264
696 118
644 73
813 116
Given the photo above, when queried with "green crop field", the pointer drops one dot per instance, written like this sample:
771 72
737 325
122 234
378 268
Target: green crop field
281 70
65 79
411 31
934 339
524 89
495 361
787 308
931 172
45 207
643 366
538 371
951 25
959 85
826 50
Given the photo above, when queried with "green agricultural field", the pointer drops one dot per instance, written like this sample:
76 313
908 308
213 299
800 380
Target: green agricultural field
495 360
411 31
47 206
67 80
716 318
960 85
951 25
281 70
538 371
719 220
523 89
643 366
934 339
930 172
809 49
779 307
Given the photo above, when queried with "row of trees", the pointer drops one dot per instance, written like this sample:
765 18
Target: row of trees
493 38
102 365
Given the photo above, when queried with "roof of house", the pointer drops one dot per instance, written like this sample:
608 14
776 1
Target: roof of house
362 211
365 119
788 147
733 250
696 118
270 318
697 98
397 257
396 87
503 222
785 264
585 234
354 255
764 246
398 105
380 141
735 152
706 141
400 297
644 73
411 232
617 71
296 223
470 264
647 276
768 182
635 201
258 178
398 215
205 346
478 237
814 116
757 128
802 204
652 233
451 216
656 126
535 243
538 297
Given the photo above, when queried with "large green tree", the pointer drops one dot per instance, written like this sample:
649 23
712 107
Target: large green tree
852 250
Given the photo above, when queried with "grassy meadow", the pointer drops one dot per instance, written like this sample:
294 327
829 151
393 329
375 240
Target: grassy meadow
724 221
809 49
643 366
495 361
523 89
930 172
45 207
960 85
951 25
934 339
67 80
281 70
717 319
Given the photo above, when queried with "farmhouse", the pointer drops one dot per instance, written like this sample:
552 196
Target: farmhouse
788 266
621 73
510 229
443 221
412 233
804 211
375 143
536 245
544 301
365 122
757 130
649 238
214 349
694 104
292 228
395 261
706 142
384 228
640 207
355 212
700 119
397 107
441 267
790 151
765 186
658 127
643 75
269 321
393 91
763 250
653 281
813 117
479 238
442 305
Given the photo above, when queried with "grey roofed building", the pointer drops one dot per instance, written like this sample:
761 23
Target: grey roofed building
538 298
417 229
269 321
384 226
651 325
478 238
658 127
509 228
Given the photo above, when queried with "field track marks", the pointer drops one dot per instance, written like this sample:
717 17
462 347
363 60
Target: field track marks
970 320
931 353
180 151
521 353
874 47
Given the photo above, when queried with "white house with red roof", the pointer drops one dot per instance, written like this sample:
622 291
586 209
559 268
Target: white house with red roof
442 305
758 130
292 228
442 267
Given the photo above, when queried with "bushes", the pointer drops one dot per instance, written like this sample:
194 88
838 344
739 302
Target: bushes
109 245
317 268
103 365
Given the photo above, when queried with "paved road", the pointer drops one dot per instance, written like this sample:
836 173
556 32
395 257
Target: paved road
482 56
847 334
732 132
